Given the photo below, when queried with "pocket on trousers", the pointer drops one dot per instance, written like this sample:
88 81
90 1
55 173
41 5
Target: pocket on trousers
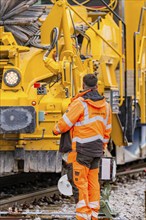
79 174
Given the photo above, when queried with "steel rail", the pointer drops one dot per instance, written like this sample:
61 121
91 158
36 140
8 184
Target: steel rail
44 215
131 171
27 197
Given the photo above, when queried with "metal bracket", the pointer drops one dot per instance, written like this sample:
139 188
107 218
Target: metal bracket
104 202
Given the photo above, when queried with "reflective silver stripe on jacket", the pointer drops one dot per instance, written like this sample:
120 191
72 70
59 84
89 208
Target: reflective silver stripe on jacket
67 121
85 105
87 140
107 111
90 120
108 126
105 140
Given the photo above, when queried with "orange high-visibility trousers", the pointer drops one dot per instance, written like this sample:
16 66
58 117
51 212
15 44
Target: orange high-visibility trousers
94 192
86 181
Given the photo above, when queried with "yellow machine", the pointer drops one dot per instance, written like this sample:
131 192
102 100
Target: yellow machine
39 75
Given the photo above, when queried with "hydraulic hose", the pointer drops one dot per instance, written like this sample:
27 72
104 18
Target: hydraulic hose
53 38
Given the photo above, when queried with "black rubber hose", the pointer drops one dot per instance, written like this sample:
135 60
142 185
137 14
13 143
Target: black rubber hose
53 38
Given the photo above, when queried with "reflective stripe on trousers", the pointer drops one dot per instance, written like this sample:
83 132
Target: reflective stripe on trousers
94 205
81 204
94 214
86 181
80 216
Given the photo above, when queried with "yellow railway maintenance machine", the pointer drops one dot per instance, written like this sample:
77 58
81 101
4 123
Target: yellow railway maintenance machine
42 61
44 53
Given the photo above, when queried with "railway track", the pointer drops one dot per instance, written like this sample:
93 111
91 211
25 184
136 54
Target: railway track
44 215
50 211
5 203
28 197
132 171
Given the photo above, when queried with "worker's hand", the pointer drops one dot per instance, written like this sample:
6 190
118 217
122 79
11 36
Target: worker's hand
56 130
54 133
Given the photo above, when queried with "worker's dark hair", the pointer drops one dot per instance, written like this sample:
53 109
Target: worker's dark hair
90 80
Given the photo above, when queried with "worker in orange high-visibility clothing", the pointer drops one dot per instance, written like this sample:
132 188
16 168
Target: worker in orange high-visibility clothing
88 122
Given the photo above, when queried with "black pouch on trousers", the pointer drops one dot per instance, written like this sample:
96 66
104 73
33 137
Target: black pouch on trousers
65 142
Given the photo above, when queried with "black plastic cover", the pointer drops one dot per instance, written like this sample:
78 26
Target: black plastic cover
16 119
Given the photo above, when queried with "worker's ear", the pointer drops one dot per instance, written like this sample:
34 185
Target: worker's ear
83 85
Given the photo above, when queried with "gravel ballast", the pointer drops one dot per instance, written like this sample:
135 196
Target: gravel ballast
128 200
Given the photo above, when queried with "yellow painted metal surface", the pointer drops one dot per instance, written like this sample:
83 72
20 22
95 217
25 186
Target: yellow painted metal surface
135 19
102 52
117 132
132 9
140 64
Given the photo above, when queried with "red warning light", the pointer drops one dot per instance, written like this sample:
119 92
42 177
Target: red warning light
37 85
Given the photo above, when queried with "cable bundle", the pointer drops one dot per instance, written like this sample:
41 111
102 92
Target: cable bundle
21 18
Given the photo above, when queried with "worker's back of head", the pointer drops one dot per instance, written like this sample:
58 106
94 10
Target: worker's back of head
90 81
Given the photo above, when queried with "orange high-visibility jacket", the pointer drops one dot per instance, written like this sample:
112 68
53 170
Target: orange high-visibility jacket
89 119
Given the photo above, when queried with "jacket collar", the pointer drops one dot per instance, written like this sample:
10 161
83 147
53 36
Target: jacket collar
80 94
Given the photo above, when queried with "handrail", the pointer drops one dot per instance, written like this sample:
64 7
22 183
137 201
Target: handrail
135 50
141 49
125 72
136 60
119 54
141 18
